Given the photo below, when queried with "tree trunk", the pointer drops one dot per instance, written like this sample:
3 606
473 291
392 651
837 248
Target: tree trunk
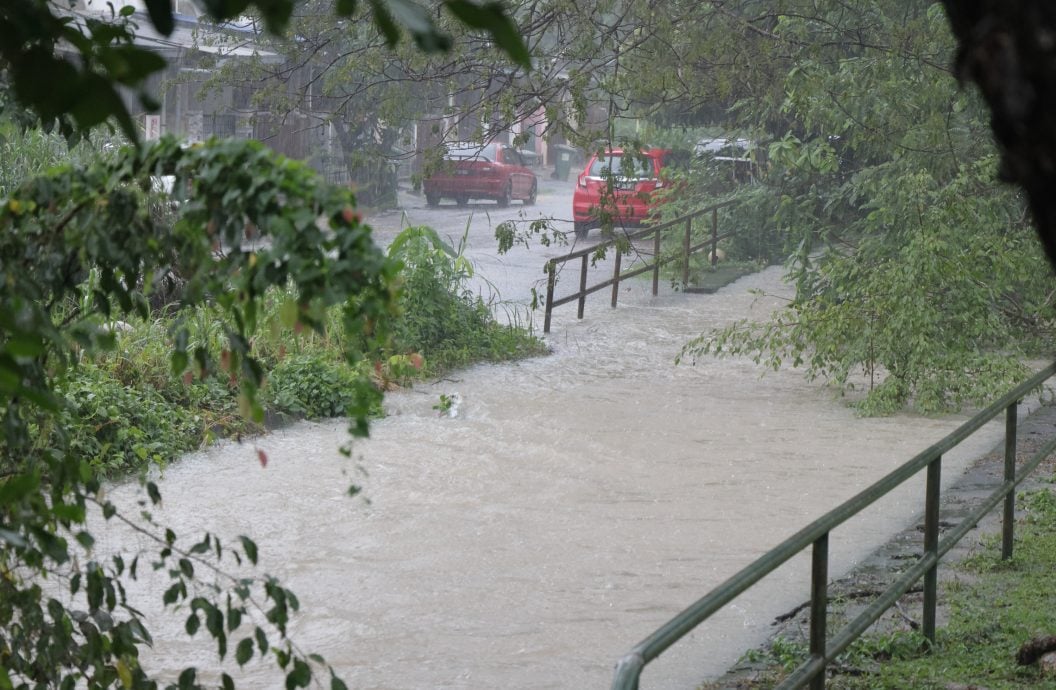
1008 48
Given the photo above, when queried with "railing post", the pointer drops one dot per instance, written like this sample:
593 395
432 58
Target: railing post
714 235
819 604
1009 520
685 253
628 672
931 546
656 262
616 277
551 271
582 287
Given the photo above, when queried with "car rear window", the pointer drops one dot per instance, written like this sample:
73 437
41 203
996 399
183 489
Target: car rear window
483 153
617 165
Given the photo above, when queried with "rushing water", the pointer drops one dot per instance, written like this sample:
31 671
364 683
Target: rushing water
576 502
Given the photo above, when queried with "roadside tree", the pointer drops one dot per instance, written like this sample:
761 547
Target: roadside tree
916 277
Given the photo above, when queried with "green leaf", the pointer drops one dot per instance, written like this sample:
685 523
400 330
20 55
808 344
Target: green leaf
160 12
172 594
300 676
203 546
187 679
250 547
24 345
385 23
234 618
244 651
492 18
14 489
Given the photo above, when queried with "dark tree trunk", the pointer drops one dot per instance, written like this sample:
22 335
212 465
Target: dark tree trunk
1008 48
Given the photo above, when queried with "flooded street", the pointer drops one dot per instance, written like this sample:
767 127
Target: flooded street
575 503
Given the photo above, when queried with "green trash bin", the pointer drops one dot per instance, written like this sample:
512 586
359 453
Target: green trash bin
564 157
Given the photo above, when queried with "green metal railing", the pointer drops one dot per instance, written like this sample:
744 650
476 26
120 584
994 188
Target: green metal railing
656 231
816 535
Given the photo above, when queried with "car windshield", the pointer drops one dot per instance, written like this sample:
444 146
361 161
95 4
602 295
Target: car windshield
622 166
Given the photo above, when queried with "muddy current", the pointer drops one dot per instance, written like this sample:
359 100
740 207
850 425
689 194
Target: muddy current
572 504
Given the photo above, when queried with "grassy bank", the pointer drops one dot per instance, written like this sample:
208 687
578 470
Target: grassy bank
991 608
126 409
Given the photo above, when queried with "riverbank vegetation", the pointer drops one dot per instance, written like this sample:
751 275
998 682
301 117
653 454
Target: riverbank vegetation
918 278
124 408
135 328
994 608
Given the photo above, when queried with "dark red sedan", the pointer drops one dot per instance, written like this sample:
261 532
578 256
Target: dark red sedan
488 171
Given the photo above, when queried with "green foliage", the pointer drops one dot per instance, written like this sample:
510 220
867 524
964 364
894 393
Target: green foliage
439 314
917 278
787 653
991 616
82 247
116 428
993 611
27 152
314 386
83 244
444 404
932 313
80 89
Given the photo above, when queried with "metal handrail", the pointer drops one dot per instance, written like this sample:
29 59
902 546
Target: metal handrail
816 535
583 255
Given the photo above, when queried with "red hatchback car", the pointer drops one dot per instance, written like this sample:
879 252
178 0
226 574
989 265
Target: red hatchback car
618 186
491 171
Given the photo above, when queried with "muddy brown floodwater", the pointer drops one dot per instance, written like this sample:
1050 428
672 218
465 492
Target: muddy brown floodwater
575 503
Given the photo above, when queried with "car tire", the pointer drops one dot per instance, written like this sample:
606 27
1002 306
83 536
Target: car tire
432 200
462 200
507 194
582 229
532 195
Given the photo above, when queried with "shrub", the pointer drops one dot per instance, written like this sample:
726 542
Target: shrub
314 386
117 428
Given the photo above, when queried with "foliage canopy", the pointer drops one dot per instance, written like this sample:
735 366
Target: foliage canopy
910 265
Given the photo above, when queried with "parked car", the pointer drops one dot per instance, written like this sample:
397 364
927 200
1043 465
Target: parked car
735 157
618 185
481 171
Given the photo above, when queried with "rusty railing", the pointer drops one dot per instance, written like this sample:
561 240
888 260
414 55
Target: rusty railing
685 223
